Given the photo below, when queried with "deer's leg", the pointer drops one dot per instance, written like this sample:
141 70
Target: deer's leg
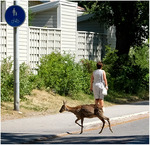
76 121
109 124
106 118
102 119
82 119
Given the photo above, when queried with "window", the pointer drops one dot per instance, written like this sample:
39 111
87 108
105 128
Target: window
2 10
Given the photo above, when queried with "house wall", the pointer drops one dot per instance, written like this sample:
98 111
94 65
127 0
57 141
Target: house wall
45 19
23 36
68 25
93 26
2 10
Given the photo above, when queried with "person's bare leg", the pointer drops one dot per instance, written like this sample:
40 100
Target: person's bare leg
100 103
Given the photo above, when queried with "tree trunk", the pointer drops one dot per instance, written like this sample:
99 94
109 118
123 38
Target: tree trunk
122 40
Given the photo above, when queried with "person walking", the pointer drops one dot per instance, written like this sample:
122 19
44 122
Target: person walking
98 82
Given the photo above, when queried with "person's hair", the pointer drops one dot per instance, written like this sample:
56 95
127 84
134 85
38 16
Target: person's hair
99 65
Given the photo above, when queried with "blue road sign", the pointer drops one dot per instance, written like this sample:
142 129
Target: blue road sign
15 16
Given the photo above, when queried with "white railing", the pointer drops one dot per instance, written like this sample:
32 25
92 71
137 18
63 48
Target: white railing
42 41
3 41
89 45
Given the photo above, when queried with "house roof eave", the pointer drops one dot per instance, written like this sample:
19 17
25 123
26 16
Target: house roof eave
50 5
44 6
84 17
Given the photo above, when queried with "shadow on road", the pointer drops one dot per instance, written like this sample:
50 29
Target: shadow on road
20 138
137 139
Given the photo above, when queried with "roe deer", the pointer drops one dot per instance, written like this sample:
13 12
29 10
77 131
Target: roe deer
86 111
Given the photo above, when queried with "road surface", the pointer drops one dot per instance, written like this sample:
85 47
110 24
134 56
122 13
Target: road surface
37 128
135 132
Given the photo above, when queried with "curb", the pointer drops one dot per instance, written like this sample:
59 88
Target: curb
121 118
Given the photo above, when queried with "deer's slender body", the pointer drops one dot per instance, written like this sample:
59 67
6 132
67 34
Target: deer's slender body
85 111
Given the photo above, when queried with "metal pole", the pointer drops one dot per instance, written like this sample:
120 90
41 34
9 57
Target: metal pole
16 69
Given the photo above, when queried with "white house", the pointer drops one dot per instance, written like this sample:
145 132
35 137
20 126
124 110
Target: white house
58 14
68 17
56 26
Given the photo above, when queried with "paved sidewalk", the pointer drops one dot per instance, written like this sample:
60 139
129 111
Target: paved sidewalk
24 130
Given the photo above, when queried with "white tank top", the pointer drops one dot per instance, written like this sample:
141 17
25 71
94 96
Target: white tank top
98 78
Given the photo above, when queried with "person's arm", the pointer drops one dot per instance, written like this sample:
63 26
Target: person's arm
105 80
92 79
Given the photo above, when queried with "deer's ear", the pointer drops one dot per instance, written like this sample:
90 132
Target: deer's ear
64 102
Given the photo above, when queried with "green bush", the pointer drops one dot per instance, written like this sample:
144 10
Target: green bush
7 80
88 67
140 62
125 74
60 73
26 80
108 65
128 74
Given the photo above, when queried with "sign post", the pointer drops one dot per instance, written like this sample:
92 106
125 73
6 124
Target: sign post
15 17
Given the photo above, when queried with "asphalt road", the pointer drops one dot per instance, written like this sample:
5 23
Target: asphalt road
29 130
135 132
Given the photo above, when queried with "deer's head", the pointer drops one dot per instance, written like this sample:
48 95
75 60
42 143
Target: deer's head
63 107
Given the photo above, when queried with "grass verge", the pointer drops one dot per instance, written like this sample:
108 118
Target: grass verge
42 102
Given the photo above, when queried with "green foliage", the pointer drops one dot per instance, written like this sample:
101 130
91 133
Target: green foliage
128 74
7 80
90 7
88 67
57 72
30 17
140 56
140 60
110 58
60 73
26 80
108 65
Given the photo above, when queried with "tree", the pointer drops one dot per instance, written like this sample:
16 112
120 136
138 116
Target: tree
131 19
